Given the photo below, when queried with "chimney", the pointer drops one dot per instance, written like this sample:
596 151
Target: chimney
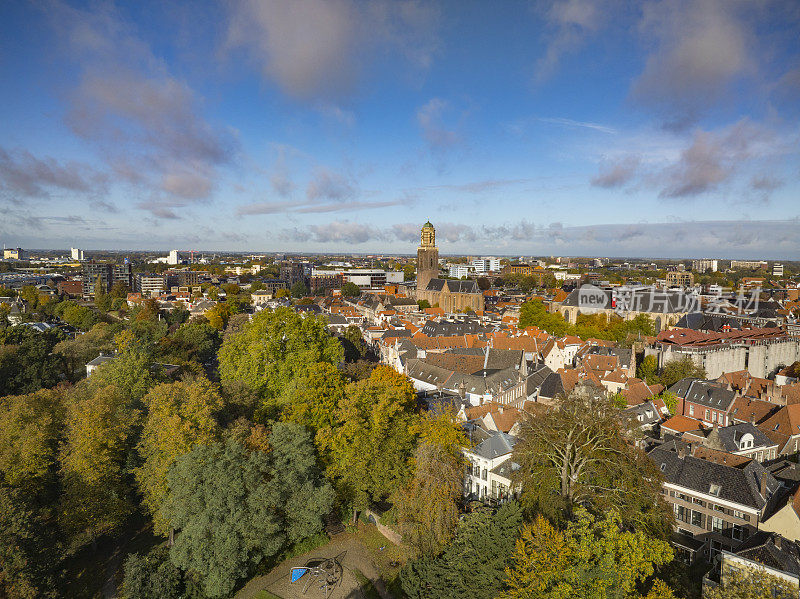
681 451
778 540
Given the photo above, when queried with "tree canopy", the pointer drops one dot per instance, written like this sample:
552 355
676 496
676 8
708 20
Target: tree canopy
591 559
472 565
579 454
274 348
180 416
235 508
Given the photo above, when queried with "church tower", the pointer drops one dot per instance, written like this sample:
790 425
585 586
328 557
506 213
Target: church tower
427 257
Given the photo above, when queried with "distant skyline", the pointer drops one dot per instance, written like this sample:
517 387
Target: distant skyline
575 127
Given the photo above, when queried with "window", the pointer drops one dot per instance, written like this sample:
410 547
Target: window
713 416
714 489
738 532
697 519
716 524
484 474
738 514
707 414
663 467
691 410
699 502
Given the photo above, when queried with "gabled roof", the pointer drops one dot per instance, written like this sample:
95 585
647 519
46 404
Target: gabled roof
498 444
681 424
782 424
710 394
736 484
751 410
773 551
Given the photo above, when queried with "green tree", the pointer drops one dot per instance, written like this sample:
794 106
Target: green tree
350 290
534 313
353 343
119 290
151 576
676 370
274 348
369 448
197 341
98 438
131 371
670 401
101 299
313 400
578 454
423 304
29 431
26 558
234 509
27 361
648 370
427 506
473 565
591 559
299 290
180 416
755 583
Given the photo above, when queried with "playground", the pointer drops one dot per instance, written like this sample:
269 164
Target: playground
349 567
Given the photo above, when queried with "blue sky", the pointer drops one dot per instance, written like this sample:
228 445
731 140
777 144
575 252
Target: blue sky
566 127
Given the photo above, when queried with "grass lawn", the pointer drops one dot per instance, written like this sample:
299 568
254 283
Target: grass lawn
388 560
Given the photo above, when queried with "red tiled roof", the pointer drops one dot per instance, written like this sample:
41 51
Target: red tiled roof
682 424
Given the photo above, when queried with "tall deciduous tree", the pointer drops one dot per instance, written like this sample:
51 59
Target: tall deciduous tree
369 450
26 562
130 372
29 430
99 433
427 507
591 559
579 454
313 400
276 347
235 508
180 416
676 370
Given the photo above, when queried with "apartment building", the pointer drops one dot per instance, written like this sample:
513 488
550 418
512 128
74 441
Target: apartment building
680 279
705 265
707 401
717 505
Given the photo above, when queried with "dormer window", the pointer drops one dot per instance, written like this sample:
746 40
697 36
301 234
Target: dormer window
663 467
714 489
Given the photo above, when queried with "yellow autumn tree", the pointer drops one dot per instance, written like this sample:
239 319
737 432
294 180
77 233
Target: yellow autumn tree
99 431
180 416
591 559
29 429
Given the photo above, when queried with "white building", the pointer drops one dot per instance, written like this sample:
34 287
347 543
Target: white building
461 270
364 278
486 264
705 265
489 468
76 254
150 285
777 270
174 257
